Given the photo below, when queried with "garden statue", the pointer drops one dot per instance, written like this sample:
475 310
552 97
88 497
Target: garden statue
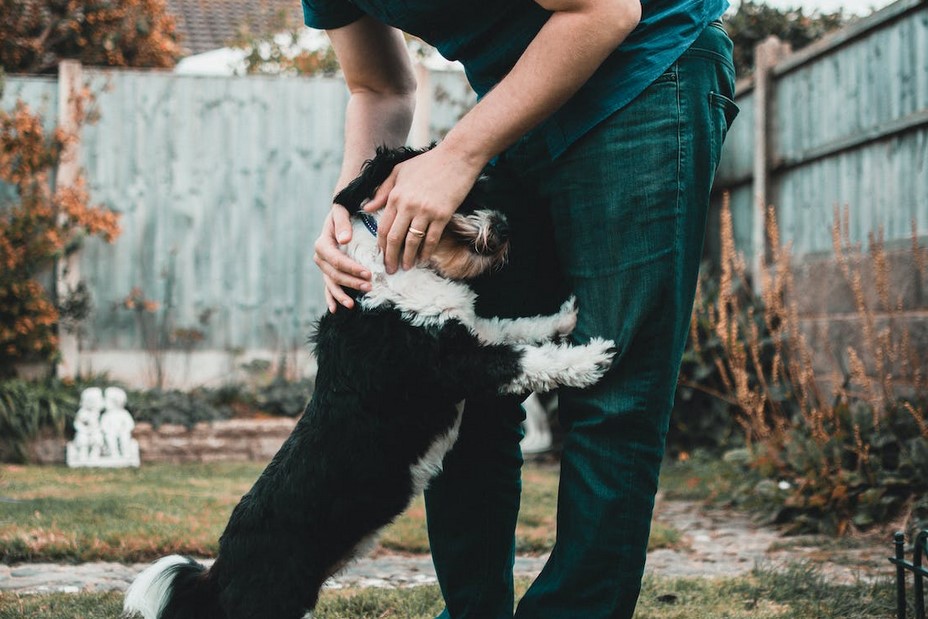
103 440
88 441
116 424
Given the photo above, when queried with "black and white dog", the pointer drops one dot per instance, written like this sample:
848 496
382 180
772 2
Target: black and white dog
393 374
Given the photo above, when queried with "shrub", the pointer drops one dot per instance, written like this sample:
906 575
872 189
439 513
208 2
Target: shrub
28 408
704 413
847 454
44 223
752 22
117 33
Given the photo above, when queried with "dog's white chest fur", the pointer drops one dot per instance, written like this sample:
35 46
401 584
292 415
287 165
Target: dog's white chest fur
429 465
423 296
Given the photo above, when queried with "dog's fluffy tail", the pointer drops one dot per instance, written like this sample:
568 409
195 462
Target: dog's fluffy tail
174 587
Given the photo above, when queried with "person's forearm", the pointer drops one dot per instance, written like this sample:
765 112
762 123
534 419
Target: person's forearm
568 49
373 119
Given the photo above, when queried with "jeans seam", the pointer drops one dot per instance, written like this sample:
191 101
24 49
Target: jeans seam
678 211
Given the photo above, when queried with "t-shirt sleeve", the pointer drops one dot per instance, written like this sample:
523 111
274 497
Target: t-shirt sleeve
327 14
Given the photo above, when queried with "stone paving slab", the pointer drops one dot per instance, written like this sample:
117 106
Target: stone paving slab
716 543
384 571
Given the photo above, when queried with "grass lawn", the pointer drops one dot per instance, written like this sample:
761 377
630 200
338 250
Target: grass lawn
60 514
794 594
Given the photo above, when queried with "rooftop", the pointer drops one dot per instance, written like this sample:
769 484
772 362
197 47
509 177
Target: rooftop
205 25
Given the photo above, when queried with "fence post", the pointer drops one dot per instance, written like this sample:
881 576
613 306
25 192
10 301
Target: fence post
67 268
766 55
899 543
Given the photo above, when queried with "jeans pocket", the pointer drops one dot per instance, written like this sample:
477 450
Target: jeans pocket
729 108
722 113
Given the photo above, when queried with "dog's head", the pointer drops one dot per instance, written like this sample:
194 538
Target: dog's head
475 241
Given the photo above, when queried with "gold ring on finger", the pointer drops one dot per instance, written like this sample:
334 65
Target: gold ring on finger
416 232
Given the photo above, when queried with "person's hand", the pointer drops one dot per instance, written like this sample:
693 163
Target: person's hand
338 270
418 198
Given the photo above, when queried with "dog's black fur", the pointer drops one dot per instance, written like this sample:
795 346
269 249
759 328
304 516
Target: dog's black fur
385 391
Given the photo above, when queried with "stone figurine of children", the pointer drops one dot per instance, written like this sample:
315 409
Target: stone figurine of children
103 440
88 439
117 424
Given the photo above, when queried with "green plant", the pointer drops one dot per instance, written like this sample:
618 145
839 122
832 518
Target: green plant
847 452
704 413
159 407
277 50
284 397
29 408
752 22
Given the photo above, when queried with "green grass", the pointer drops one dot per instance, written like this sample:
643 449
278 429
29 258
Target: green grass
128 515
798 593
702 478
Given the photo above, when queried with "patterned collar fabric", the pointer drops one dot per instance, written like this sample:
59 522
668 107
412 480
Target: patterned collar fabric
369 222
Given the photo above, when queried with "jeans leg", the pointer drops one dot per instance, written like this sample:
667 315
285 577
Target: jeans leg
473 505
472 509
629 203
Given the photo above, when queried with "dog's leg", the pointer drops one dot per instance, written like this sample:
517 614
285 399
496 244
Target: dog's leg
532 330
548 365
468 367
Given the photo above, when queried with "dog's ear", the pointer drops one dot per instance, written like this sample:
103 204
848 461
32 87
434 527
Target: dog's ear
373 174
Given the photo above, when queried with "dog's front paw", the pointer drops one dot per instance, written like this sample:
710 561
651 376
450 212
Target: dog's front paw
566 318
592 361
548 365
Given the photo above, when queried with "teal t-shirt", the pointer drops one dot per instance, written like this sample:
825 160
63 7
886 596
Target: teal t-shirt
489 37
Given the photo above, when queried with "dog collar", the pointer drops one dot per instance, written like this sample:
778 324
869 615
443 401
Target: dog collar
369 222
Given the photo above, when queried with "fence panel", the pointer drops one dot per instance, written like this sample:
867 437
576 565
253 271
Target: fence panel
848 125
222 184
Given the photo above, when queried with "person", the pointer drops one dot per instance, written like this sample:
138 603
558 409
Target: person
599 124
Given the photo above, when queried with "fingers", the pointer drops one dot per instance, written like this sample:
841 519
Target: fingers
344 272
415 237
341 221
395 236
433 235
338 270
335 295
330 301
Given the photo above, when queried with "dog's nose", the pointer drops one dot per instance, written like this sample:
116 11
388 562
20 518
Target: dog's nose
500 229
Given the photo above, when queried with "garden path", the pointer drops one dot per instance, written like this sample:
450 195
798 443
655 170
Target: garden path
716 542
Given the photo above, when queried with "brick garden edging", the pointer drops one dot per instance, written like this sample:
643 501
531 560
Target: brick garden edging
233 440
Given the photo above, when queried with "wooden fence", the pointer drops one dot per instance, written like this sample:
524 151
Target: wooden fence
843 122
222 184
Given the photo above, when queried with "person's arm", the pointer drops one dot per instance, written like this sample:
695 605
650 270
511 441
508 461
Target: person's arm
424 192
380 78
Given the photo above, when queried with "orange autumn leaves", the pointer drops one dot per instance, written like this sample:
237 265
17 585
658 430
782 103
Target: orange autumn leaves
39 223
115 33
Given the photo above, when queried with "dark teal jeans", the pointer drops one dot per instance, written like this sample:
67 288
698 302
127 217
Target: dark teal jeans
628 205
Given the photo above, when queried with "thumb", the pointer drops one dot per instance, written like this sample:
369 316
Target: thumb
342 223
